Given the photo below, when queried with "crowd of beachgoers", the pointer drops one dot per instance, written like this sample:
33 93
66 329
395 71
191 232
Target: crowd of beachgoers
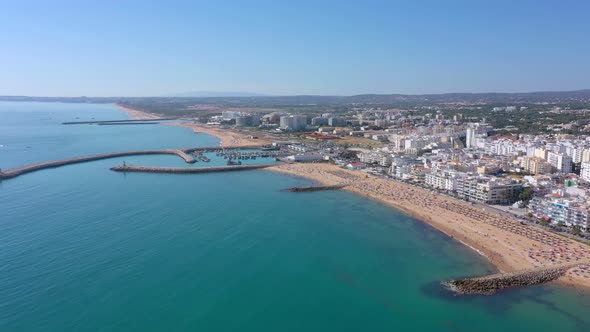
508 243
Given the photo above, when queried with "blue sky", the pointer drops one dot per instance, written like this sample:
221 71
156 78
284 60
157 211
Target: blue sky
144 48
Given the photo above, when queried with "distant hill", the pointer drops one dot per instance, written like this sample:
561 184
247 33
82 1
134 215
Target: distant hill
488 97
242 99
215 94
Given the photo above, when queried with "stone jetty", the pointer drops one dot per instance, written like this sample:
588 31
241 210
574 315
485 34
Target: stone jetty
183 170
118 121
14 172
185 154
315 188
127 123
488 285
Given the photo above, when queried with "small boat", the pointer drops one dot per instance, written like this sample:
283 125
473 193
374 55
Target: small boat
233 163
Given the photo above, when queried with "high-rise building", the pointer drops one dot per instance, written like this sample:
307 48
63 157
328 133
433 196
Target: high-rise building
585 171
535 165
293 122
561 161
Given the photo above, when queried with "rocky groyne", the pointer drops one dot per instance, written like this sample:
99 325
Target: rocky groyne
184 170
315 188
489 285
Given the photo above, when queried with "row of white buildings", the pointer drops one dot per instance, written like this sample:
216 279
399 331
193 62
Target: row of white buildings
560 208
475 188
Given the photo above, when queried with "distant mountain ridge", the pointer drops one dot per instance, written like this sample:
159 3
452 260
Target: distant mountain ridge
260 100
215 94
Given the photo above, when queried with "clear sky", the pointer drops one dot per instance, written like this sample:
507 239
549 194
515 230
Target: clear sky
140 48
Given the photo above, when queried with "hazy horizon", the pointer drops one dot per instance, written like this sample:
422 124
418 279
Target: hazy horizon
250 94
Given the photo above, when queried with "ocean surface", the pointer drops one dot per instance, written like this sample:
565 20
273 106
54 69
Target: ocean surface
83 248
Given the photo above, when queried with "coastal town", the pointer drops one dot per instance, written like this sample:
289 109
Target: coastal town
518 199
295 166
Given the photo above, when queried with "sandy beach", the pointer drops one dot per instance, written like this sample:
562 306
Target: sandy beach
227 137
508 244
135 114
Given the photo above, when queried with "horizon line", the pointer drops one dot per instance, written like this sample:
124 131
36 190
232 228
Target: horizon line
263 95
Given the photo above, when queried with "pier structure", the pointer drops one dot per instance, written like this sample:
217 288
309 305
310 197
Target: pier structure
184 170
189 155
103 122
14 172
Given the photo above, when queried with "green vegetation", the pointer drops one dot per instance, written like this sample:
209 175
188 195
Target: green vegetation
542 112
576 230
526 194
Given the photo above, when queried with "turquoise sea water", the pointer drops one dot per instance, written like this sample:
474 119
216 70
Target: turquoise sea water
86 249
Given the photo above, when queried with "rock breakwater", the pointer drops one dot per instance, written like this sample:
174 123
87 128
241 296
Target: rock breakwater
489 285
153 169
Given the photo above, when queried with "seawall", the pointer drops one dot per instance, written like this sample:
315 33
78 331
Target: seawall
117 121
184 170
488 285
14 172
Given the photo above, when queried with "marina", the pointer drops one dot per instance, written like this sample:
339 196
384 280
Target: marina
189 155
244 155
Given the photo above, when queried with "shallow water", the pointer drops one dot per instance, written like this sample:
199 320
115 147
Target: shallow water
84 248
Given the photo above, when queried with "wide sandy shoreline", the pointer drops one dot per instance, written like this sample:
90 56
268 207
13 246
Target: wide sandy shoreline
506 243
226 137
135 114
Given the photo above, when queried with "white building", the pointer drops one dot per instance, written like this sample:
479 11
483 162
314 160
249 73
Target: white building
306 158
565 210
230 115
375 157
488 190
561 161
585 171
445 180
293 122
